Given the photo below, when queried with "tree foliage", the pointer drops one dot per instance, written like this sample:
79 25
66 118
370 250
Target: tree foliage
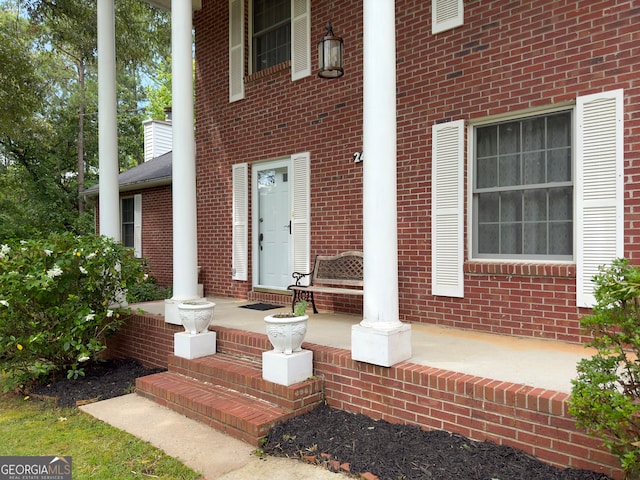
605 397
48 123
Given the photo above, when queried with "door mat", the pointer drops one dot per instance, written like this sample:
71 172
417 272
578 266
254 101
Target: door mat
261 306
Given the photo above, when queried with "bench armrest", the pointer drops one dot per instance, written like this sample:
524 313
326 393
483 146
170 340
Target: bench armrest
299 276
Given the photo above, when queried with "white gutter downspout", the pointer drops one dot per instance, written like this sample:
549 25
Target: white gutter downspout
380 339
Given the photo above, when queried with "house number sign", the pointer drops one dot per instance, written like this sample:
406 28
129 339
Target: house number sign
358 157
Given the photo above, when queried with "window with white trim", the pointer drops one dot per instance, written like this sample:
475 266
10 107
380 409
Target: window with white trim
271 35
279 30
131 223
127 219
523 188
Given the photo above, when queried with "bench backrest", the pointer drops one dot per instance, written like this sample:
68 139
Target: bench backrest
346 268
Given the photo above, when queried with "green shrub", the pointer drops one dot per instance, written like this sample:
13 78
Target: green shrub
605 397
147 290
59 299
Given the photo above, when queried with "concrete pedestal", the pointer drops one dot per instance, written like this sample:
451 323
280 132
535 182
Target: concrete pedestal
286 369
381 347
190 346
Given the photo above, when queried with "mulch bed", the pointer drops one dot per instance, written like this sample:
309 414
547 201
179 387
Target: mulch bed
343 440
102 380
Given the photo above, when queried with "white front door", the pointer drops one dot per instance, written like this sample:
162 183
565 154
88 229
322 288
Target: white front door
273 226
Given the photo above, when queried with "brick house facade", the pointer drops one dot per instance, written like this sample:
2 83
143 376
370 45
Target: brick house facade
535 67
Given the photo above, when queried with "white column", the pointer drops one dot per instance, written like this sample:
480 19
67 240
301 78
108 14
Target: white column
108 122
185 243
380 338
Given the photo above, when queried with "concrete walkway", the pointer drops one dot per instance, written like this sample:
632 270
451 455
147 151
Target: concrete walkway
213 454
541 363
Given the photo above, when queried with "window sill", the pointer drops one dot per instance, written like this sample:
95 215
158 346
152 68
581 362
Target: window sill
267 72
520 269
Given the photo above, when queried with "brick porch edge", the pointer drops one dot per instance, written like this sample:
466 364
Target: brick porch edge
531 419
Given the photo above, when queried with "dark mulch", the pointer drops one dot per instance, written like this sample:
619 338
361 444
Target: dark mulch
108 379
390 451
395 452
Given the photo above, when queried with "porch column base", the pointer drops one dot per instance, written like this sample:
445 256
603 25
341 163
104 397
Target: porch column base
287 369
381 347
192 346
171 309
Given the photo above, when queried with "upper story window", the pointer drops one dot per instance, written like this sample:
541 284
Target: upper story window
271 33
523 188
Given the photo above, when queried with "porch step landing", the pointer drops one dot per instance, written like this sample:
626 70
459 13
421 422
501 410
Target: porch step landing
229 394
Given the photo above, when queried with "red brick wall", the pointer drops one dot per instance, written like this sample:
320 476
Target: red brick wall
531 419
508 56
157 231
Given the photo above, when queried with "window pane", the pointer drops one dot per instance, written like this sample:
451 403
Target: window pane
533 134
535 205
487 175
559 165
511 207
559 130
535 238
511 238
561 238
561 203
127 235
509 168
534 166
488 238
487 141
509 138
127 210
488 207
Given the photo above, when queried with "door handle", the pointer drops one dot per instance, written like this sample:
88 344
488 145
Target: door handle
260 238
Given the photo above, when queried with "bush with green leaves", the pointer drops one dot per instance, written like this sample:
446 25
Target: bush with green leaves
60 297
605 396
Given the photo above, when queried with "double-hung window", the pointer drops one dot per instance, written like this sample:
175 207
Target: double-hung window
271 36
131 223
523 188
128 222
543 188
279 30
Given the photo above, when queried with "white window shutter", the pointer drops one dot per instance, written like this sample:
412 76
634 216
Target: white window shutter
446 14
300 39
236 50
240 233
301 215
137 225
599 188
447 209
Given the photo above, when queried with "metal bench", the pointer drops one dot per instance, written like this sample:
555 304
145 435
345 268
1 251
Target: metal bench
335 274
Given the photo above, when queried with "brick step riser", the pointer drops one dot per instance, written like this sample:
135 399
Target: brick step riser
303 396
196 405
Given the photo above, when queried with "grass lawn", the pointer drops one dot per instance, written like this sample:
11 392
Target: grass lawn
98 450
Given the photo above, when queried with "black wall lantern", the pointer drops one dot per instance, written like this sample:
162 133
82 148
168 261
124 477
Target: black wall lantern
330 55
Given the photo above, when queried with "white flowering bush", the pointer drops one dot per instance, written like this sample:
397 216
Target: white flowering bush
60 297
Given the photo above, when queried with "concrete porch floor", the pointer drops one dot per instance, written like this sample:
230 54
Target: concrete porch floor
540 363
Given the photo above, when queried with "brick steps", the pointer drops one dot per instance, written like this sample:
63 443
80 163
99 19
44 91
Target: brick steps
229 394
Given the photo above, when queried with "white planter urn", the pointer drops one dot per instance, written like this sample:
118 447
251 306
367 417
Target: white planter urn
286 332
196 315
